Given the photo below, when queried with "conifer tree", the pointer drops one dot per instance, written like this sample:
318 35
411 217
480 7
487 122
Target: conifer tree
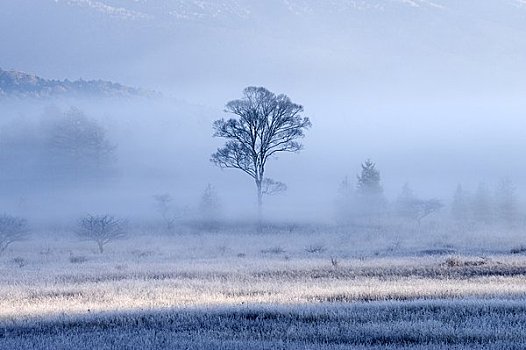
506 202
369 179
459 206
210 205
370 197
482 205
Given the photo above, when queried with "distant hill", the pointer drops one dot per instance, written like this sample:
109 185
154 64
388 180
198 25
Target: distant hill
20 84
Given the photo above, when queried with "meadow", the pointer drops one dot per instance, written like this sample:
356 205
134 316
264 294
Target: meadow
289 287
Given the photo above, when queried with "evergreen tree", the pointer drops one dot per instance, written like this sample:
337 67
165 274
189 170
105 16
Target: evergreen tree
370 198
369 179
506 202
344 201
404 202
482 206
210 206
459 206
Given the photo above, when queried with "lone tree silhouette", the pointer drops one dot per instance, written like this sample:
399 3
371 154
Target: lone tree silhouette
264 124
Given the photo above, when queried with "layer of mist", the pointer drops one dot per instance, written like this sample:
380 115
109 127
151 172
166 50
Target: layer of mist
430 91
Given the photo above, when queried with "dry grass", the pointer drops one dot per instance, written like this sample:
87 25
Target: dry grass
304 298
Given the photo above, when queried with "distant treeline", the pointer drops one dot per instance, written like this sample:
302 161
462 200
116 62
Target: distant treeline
365 200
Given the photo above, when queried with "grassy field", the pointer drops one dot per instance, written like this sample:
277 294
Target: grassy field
282 290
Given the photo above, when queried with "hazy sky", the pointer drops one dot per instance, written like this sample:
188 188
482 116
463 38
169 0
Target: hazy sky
433 91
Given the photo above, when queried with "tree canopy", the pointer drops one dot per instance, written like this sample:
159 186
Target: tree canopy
263 124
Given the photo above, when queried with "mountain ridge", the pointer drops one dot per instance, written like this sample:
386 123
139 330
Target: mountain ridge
22 84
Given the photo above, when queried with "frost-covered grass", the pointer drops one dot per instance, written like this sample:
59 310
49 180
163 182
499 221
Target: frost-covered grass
235 290
422 324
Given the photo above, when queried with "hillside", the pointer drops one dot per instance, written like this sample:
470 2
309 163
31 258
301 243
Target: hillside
20 84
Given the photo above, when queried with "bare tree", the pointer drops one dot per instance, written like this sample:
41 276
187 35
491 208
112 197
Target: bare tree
428 207
421 208
12 229
101 229
409 206
163 205
264 125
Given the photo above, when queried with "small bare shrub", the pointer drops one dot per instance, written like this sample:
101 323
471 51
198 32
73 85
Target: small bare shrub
101 229
222 249
317 248
21 262
518 250
77 259
440 251
46 252
457 262
12 229
273 250
334 262
453 262
142 253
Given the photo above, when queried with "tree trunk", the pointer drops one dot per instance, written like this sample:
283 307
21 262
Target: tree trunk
3 247
260 206
101 247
